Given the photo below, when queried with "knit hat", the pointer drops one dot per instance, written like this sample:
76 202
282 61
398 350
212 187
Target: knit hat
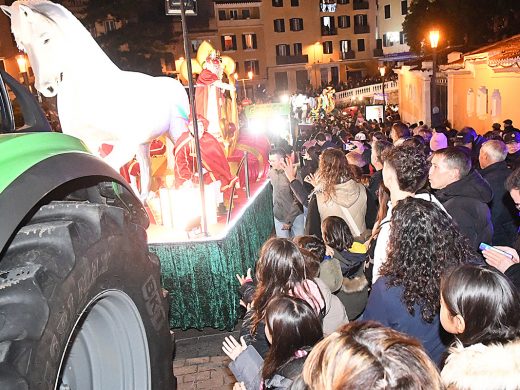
438 141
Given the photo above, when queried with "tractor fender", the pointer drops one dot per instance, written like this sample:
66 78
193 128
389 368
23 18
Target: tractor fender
19 199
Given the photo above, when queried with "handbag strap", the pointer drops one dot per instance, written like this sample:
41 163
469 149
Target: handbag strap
350 222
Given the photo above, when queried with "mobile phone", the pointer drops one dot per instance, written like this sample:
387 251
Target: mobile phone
486 247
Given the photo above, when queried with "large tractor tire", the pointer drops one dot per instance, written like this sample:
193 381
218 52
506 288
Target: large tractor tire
81 306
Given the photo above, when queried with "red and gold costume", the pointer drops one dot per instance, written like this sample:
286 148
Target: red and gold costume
214 161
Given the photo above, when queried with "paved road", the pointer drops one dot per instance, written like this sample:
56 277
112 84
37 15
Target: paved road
199 362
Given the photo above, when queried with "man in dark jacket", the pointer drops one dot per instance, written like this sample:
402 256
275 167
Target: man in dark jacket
508 126
503 212
512 140
463 192
509 265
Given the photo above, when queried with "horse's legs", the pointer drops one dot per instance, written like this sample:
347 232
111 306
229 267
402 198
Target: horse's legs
178 126
143 158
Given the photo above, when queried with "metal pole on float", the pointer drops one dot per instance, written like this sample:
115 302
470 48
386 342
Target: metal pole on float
187 54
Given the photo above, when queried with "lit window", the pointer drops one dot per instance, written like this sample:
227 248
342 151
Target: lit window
296 24
252 66
297 49
279 25
229 42
327 47
249 41
345 45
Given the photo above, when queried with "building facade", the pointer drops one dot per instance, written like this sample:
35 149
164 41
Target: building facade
389 21
483 86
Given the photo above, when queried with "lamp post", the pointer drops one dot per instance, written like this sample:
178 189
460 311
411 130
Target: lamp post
434 42
249 77
382 72
22 65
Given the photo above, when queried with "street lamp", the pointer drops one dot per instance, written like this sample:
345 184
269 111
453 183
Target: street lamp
249 77
23 66
382 72
434 42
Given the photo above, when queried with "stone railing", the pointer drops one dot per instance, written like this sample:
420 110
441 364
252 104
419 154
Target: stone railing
366 91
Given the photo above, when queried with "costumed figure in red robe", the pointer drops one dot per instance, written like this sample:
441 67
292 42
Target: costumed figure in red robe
214 163
209 97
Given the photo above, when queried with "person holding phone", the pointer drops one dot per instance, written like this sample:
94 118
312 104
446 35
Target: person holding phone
506 262
288 213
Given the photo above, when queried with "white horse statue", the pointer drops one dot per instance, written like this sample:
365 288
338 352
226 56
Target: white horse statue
97 102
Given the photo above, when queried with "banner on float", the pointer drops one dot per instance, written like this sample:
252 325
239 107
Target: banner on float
267 110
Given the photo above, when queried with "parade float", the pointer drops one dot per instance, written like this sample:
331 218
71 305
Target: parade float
134 121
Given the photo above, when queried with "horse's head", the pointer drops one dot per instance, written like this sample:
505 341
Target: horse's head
40 37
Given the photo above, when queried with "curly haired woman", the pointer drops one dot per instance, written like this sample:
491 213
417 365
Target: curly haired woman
423 244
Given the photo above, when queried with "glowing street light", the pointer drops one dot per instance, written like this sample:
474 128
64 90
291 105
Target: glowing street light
434 42
23 65
249 77
434 38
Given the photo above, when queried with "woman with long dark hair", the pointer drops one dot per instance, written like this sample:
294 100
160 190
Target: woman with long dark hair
292 328
280 270
422 245
482 309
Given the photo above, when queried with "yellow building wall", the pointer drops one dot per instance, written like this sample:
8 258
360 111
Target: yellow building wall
478 75
414 95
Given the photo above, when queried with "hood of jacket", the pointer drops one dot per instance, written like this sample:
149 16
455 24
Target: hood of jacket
480 367
348 193
471 186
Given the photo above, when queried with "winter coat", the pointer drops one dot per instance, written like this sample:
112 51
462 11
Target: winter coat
513 160
466 201
503 210
481 367
350 196
513 273
285 207
384 233
335 314
385 305
247 368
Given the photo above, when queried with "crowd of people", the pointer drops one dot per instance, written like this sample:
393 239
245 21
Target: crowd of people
394 264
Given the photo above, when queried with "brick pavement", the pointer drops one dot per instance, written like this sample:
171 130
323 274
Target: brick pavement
203 373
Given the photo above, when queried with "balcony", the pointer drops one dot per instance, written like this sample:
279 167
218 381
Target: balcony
348 55
328 31
362 29
357 5
288 60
